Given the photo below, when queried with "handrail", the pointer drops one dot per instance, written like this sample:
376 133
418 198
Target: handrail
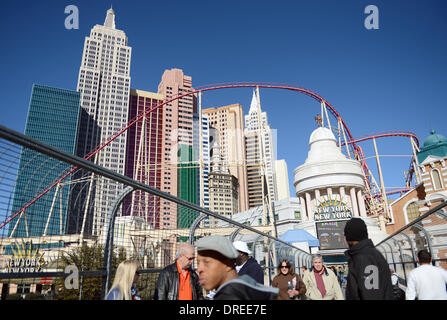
431 211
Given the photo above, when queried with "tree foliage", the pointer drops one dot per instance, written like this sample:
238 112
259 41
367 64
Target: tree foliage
86 258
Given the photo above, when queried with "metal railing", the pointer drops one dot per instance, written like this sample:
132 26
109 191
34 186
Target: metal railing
63 210
425 232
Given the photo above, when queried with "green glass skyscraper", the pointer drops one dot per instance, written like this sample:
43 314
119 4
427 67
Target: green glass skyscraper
52 119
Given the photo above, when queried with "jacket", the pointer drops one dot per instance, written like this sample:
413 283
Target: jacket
253 269
281 281
369 276
333 290
245 288
114 294
167 287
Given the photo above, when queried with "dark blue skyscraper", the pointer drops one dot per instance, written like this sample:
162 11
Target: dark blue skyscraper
52 119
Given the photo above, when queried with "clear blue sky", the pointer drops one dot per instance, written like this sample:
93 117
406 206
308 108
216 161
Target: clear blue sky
393 78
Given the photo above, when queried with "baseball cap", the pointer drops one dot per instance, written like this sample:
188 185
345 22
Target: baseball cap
219 244
241 246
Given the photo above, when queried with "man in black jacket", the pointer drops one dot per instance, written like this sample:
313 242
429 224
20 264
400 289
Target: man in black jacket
247 265
179 281
369 276
216 269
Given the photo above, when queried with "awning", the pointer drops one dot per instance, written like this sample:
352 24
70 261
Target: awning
300 235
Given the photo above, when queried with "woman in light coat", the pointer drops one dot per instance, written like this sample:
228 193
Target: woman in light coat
321 282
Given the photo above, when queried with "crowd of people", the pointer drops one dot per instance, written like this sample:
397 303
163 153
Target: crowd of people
226 271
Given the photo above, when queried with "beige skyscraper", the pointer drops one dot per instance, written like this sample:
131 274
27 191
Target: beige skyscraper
282 179
228 120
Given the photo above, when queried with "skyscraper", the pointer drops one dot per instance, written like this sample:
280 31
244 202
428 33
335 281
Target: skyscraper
281 179
228 121
104 82
223 186
205 161
260 152
180 169
144 155
52 119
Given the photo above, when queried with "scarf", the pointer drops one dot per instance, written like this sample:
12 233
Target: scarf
319 280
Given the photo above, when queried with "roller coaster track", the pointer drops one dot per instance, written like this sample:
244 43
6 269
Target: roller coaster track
386 134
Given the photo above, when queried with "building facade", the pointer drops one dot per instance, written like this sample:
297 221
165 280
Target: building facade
260 153
281 179
180 170
53 116
204 161
144 155
223 186
330 188
228 121
431 192
104 84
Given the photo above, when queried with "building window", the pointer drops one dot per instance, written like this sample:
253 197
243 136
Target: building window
412 211
436 177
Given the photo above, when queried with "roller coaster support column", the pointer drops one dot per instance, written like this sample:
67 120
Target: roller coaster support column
417 170
382 188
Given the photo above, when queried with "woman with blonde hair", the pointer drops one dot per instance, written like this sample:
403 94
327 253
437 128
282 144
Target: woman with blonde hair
126 275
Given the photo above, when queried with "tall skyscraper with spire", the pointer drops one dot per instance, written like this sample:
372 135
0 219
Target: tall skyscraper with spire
104 84
260 153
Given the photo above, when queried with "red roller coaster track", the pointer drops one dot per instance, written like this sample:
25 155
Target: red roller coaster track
219 86
384 135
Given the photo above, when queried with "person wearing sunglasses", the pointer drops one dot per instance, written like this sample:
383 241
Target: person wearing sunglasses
289 284
179 281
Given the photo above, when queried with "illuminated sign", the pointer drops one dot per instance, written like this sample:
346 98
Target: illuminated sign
331 234
26 259
332 209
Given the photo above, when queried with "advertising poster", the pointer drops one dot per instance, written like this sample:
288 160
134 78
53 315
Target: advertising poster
331 235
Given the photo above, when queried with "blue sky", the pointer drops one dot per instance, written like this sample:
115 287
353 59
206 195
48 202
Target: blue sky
393 78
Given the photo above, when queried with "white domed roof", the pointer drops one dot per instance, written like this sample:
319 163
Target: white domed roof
321 133
323 147
326 165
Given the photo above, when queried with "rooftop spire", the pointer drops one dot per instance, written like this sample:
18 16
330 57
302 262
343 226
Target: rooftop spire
110 19
254 103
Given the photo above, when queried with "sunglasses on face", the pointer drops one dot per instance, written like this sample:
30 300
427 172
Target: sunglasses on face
284 267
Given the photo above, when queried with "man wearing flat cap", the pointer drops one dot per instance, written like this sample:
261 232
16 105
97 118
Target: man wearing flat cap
369 276
216 258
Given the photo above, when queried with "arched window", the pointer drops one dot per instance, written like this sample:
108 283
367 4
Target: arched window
437 184
412 211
